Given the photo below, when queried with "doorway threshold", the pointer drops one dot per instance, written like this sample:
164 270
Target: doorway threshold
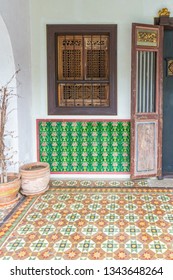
165 183
168 175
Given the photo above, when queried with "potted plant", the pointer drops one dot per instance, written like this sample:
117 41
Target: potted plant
35 178
9 182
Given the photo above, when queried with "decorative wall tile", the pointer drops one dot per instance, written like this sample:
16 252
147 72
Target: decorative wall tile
79 146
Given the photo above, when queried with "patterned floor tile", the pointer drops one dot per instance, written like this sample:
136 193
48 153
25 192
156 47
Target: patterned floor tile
154 231
134 246
110 246
89 230
86 245
158 246
62 245
90 220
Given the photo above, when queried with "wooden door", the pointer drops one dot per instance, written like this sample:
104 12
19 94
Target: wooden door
146 101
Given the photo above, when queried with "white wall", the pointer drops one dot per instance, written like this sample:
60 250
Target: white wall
15 14
7 69
121 12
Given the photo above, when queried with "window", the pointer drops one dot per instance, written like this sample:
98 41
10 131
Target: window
82 68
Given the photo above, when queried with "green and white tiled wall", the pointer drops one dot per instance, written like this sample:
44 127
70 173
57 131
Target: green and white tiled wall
84 146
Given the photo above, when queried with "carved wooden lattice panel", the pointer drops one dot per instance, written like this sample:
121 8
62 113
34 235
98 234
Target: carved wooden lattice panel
83 95
96 57
82 71
146 37
69 57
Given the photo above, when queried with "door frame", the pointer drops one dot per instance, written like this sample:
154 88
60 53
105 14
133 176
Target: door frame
165 175
167 24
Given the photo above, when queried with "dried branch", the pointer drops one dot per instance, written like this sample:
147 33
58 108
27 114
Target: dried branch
6 93
12 78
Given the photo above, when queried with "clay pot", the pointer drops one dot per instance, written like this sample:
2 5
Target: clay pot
35 178
9 191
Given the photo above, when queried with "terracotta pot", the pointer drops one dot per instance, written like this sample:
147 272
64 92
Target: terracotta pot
35 178
9 191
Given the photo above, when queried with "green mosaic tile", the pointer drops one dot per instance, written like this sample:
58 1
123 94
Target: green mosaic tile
81 146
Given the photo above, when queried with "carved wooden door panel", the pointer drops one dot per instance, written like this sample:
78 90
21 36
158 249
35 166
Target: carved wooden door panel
146 101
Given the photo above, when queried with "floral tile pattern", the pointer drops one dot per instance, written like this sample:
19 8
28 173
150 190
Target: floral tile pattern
80 146
91 220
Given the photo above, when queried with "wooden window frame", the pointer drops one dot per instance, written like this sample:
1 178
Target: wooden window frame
53 30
